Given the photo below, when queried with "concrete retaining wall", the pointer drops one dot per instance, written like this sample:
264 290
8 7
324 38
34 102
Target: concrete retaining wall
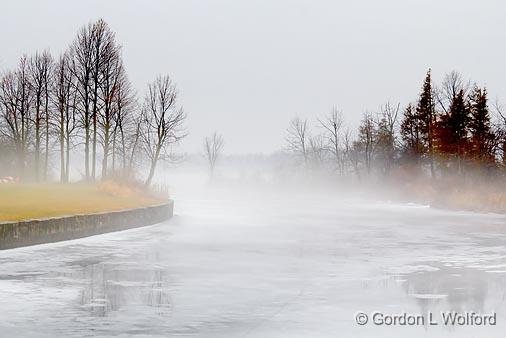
48 230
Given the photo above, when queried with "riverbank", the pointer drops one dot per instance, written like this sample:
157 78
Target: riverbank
56 229
34 201
483 197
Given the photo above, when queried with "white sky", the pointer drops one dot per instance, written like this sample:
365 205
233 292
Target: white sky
245 68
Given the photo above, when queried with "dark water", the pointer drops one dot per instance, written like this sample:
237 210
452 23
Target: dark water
262 265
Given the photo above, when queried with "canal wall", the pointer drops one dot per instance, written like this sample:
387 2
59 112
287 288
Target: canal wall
48 230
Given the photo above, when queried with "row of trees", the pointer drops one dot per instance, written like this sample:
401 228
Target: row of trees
448 130
83 102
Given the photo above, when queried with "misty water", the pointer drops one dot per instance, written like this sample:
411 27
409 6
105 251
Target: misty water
242 263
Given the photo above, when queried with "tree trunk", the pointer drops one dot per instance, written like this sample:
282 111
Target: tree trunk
123 150
94 148
104 163
37 137
67 165
106 155
153 166
21 157
114 152
46 160
134 149
151 173
62 148
37 147
87 148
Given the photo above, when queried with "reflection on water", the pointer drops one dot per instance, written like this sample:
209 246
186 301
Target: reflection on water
109 287
454 289
439 287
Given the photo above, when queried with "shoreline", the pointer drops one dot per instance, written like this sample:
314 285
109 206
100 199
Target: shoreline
15 234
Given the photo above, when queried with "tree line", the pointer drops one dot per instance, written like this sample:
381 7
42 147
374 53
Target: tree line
449 130
82 105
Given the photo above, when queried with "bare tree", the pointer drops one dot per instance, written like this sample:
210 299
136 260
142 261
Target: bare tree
111 73
16 99
66 120
105 56
93 52
317 150
385 134
81 54
351 153
500 131
134 132
124 122
297 139
453 83
7 157
163 122
332 125
40 68
367 140
86 94
213 146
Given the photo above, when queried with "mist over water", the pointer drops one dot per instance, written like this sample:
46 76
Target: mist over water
317 178
242 258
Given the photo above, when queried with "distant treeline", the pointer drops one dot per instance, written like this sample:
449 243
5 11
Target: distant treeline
81 105
449 130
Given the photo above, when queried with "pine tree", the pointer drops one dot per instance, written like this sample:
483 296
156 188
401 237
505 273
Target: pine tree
426 116
452 130
411 135
480 126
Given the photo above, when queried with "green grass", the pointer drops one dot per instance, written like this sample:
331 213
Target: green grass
31 201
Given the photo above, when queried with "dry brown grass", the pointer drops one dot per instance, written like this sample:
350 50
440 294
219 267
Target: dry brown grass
29 201
458 195
474 199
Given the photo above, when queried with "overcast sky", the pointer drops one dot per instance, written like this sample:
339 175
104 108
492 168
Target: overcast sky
245 68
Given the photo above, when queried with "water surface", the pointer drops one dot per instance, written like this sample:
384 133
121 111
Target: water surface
242 264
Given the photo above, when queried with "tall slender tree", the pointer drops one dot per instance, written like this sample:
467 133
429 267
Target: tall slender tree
482 137
332 125
124 121
426 115
40 68
81 55
297 138
367 140
111 73
163 122
213 146
104 55
452 131
64 101
411 134
386 135
16 97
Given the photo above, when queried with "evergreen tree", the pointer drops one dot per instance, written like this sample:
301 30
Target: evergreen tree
411 135
480 127
452 131
425 113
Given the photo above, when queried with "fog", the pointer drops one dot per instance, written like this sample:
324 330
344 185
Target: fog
243 258
241 64
291 217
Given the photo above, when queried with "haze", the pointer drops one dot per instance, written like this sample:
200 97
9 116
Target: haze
246 68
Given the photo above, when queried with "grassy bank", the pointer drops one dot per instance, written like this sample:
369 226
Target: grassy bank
29 201
478 197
